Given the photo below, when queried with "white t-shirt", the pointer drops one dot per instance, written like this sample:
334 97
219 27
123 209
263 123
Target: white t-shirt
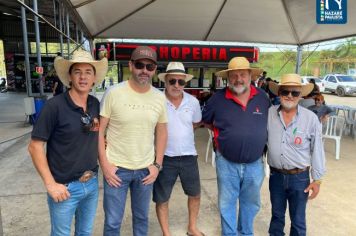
180 126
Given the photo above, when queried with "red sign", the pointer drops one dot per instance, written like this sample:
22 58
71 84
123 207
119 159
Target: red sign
178 52
39 70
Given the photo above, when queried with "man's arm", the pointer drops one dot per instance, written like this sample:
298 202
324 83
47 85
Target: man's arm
161 136
55 87
57 191
317 161
109 170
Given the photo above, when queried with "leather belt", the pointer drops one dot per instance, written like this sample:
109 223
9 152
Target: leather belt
289 172
87 175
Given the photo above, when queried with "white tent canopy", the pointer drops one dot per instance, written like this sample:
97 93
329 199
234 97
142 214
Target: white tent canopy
272 21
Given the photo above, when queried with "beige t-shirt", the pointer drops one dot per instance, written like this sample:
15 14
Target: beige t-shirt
133 118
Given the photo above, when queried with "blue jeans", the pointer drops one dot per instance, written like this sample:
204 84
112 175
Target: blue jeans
238 183
115 200
289 188
82 203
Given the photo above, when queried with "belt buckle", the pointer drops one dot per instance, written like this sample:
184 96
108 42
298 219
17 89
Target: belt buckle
87 175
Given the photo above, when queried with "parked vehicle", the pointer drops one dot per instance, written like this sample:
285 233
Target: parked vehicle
340 84
306 79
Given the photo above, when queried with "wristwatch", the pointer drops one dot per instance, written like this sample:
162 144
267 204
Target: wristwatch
158 166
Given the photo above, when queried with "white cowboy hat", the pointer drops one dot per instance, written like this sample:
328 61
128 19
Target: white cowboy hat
175 68
80 56
239 63
291 80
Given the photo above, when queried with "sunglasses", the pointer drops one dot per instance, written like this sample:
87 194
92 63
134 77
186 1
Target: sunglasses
285 93
181 82
87 122
139 65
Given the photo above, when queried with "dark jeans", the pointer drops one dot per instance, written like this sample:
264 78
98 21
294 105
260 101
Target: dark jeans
289 188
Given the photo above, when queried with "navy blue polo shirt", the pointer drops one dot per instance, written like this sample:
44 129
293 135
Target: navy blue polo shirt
240 133
71 149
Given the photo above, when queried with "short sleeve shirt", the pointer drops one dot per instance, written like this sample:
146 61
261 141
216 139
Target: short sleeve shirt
133 119
71 149
180 126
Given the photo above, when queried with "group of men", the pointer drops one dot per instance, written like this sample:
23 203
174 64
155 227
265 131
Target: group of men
144 140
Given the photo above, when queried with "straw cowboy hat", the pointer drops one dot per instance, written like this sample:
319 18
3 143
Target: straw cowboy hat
239 63
62 66
175 68
291 80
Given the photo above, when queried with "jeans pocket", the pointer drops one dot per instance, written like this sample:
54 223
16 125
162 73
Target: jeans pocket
304 177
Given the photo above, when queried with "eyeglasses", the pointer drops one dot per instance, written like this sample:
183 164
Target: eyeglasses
139 65
285 93
181 82
87 122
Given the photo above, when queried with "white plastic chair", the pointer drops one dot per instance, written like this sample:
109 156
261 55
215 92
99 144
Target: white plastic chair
333 130
210 143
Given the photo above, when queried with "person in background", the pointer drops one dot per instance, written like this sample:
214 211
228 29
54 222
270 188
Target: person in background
320 108
69 125
295 151
57 85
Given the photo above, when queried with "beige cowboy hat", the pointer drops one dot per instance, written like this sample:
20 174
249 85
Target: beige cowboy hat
239 63
80 56
175 68
291 80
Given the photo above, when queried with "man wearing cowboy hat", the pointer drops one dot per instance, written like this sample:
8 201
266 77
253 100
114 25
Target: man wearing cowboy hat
295 148
69 124
231 113
135 116
180 157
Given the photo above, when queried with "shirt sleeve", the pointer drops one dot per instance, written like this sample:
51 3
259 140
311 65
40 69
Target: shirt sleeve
105 104
208 111
318 154
163 117
197 112
45 123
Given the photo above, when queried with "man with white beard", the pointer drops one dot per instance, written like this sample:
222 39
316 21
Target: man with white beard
295 148
238 117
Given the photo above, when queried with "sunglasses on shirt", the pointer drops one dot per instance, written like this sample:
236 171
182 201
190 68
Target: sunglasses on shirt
139 65
181 82
285 93
87 122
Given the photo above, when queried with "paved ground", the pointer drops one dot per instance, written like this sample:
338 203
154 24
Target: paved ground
23 198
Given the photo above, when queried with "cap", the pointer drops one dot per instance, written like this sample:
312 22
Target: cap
144 52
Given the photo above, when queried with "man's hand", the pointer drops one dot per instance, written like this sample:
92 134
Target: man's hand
109 171
314 187
149 179
58 192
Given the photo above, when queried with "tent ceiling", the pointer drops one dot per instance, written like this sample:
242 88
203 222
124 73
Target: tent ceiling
273 21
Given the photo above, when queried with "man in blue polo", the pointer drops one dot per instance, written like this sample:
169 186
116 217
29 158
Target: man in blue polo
238 116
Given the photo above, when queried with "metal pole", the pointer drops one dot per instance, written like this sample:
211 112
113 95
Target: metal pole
26 54
60 8
299 59
38 47
68 33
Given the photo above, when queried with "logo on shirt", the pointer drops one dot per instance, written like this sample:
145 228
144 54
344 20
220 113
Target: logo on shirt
297 140
257 111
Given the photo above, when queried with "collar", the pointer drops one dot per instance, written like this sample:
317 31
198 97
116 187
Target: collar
231 96
73 105
184 99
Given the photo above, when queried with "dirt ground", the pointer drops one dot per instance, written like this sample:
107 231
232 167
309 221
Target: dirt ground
24 209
